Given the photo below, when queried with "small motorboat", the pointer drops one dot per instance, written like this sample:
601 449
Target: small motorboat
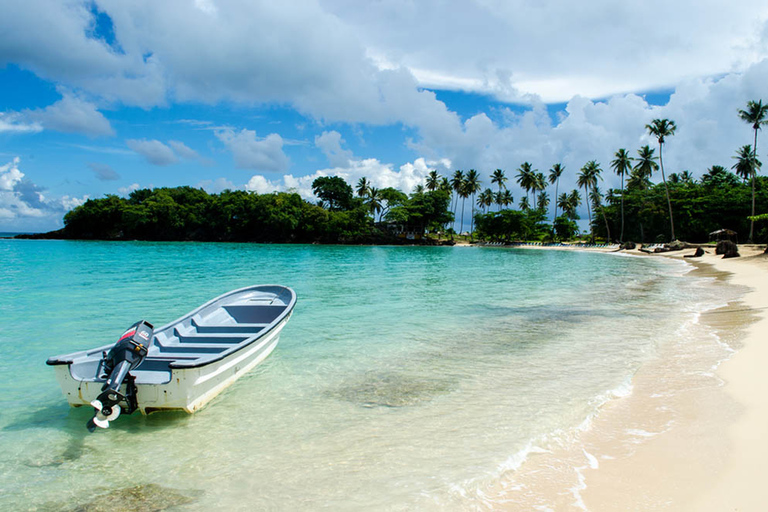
182 365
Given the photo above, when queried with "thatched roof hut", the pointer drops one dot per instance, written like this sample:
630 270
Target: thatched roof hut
724 234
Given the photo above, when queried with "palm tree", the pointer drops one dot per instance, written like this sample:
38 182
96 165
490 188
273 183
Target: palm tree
538 183
374 201
524 204
662 128
587 178
646 163
687 178
505 198
525 177
573 202
747 165
464 194
362 186
622 165
555 172
543 201
485 199
473 186
433 180
597 204
562 202
498 178
755 114
457 182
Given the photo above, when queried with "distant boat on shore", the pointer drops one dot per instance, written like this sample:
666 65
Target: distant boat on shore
182 365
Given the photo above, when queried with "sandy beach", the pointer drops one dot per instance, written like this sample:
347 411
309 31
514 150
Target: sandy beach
701 446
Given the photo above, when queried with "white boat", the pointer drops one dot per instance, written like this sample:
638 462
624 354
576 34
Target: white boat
182 365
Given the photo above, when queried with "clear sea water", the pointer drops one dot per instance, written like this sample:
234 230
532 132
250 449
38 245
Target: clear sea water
409 378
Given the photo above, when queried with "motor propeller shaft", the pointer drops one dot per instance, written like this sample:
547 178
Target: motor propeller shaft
127 354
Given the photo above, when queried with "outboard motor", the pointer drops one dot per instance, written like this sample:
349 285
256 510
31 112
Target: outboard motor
127 354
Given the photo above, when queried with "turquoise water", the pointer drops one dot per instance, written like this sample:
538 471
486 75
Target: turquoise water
408 377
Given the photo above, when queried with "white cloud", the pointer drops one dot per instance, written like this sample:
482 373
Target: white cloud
216 186
23 206
126 191
154 151
361 61
187 153
558 49
13 122
330 144
72 115
10 175
251 152
380 175
183 150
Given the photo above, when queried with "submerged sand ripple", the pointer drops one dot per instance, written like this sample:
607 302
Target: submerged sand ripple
390 390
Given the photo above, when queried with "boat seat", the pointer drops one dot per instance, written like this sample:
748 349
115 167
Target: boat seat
228 328
192 349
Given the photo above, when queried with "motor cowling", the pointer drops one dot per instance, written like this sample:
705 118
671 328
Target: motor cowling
127 354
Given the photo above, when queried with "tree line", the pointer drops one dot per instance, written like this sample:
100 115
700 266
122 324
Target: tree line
639 210
187 213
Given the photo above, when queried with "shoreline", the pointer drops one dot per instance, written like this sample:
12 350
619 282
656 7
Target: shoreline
702 446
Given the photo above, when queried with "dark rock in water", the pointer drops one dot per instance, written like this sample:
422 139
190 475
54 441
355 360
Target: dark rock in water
628 245
698 254
727 248
140 498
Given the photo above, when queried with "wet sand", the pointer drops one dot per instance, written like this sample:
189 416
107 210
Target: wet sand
693 433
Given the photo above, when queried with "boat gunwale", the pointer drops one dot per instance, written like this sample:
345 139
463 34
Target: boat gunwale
175 364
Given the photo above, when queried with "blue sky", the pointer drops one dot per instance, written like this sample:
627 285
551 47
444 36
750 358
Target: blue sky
100 97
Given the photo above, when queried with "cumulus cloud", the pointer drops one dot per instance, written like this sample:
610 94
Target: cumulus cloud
154 151
381 175
339 68
330 144
250 152
125 191
187 153
103 172
72 115
23 206
216 186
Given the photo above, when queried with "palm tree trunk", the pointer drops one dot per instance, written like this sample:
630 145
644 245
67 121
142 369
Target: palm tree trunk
557 184
589 214
605 219
666 190
621 238
754 171
472 218
461 227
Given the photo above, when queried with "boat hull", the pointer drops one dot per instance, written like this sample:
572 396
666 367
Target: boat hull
189 389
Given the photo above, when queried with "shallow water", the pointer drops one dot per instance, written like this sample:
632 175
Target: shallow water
407 378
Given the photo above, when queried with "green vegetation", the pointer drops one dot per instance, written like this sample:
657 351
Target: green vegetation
642 211
186 213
